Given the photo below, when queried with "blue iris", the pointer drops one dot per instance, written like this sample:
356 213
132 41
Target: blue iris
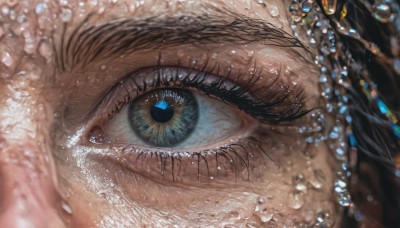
165 117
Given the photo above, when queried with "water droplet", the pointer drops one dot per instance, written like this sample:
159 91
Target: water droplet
7 59
63 2
329 6
300 183
45 51
40 8
5 10
261 2
382 12
273 11
295 200
66 207
103 67
93 2
295 11
264 215
66 15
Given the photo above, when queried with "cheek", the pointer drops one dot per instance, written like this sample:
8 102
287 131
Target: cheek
295 190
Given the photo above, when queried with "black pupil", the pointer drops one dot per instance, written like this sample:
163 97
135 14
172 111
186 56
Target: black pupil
162 111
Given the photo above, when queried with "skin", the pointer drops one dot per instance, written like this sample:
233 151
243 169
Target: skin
53 176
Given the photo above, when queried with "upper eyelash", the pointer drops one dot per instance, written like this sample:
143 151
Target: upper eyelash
273 104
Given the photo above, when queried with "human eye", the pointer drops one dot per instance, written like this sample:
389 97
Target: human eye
193 125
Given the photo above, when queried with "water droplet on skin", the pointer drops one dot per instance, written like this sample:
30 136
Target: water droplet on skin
103 67
5 10
7 59
317 179
300 183
261 2
40 8
273 11
264 215
296 200
63 2
45 51
66 207
261 200
93 2
66 15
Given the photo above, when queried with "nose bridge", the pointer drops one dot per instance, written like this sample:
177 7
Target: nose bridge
28 184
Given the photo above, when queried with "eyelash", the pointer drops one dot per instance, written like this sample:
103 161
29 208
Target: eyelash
247 97
270 104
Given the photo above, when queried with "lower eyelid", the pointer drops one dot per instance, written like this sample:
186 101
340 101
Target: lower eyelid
228 164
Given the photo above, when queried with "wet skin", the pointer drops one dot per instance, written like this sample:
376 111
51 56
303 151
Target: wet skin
65 162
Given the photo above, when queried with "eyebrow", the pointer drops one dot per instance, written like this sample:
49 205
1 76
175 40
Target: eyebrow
125 36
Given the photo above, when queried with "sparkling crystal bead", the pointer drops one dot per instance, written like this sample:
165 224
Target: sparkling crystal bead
295 11
382 12
329 6
307 6
343 13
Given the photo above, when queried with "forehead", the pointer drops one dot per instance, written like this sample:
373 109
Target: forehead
48 15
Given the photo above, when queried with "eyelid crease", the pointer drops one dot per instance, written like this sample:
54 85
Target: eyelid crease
125 36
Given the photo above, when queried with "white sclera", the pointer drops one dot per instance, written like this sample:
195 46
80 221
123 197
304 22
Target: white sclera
217 121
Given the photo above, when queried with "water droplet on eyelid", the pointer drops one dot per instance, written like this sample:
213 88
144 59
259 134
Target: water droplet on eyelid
295 200
103 67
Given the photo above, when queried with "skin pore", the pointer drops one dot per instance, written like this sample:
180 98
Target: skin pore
61 164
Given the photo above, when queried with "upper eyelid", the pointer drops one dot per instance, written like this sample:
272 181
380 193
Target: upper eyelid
125 36
291 104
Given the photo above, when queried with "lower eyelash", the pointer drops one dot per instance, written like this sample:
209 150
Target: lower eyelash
230 161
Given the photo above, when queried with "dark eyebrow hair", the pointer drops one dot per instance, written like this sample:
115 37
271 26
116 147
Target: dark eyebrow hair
125 36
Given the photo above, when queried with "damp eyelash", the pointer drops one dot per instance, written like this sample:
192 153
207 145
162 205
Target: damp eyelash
273 104
238 156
